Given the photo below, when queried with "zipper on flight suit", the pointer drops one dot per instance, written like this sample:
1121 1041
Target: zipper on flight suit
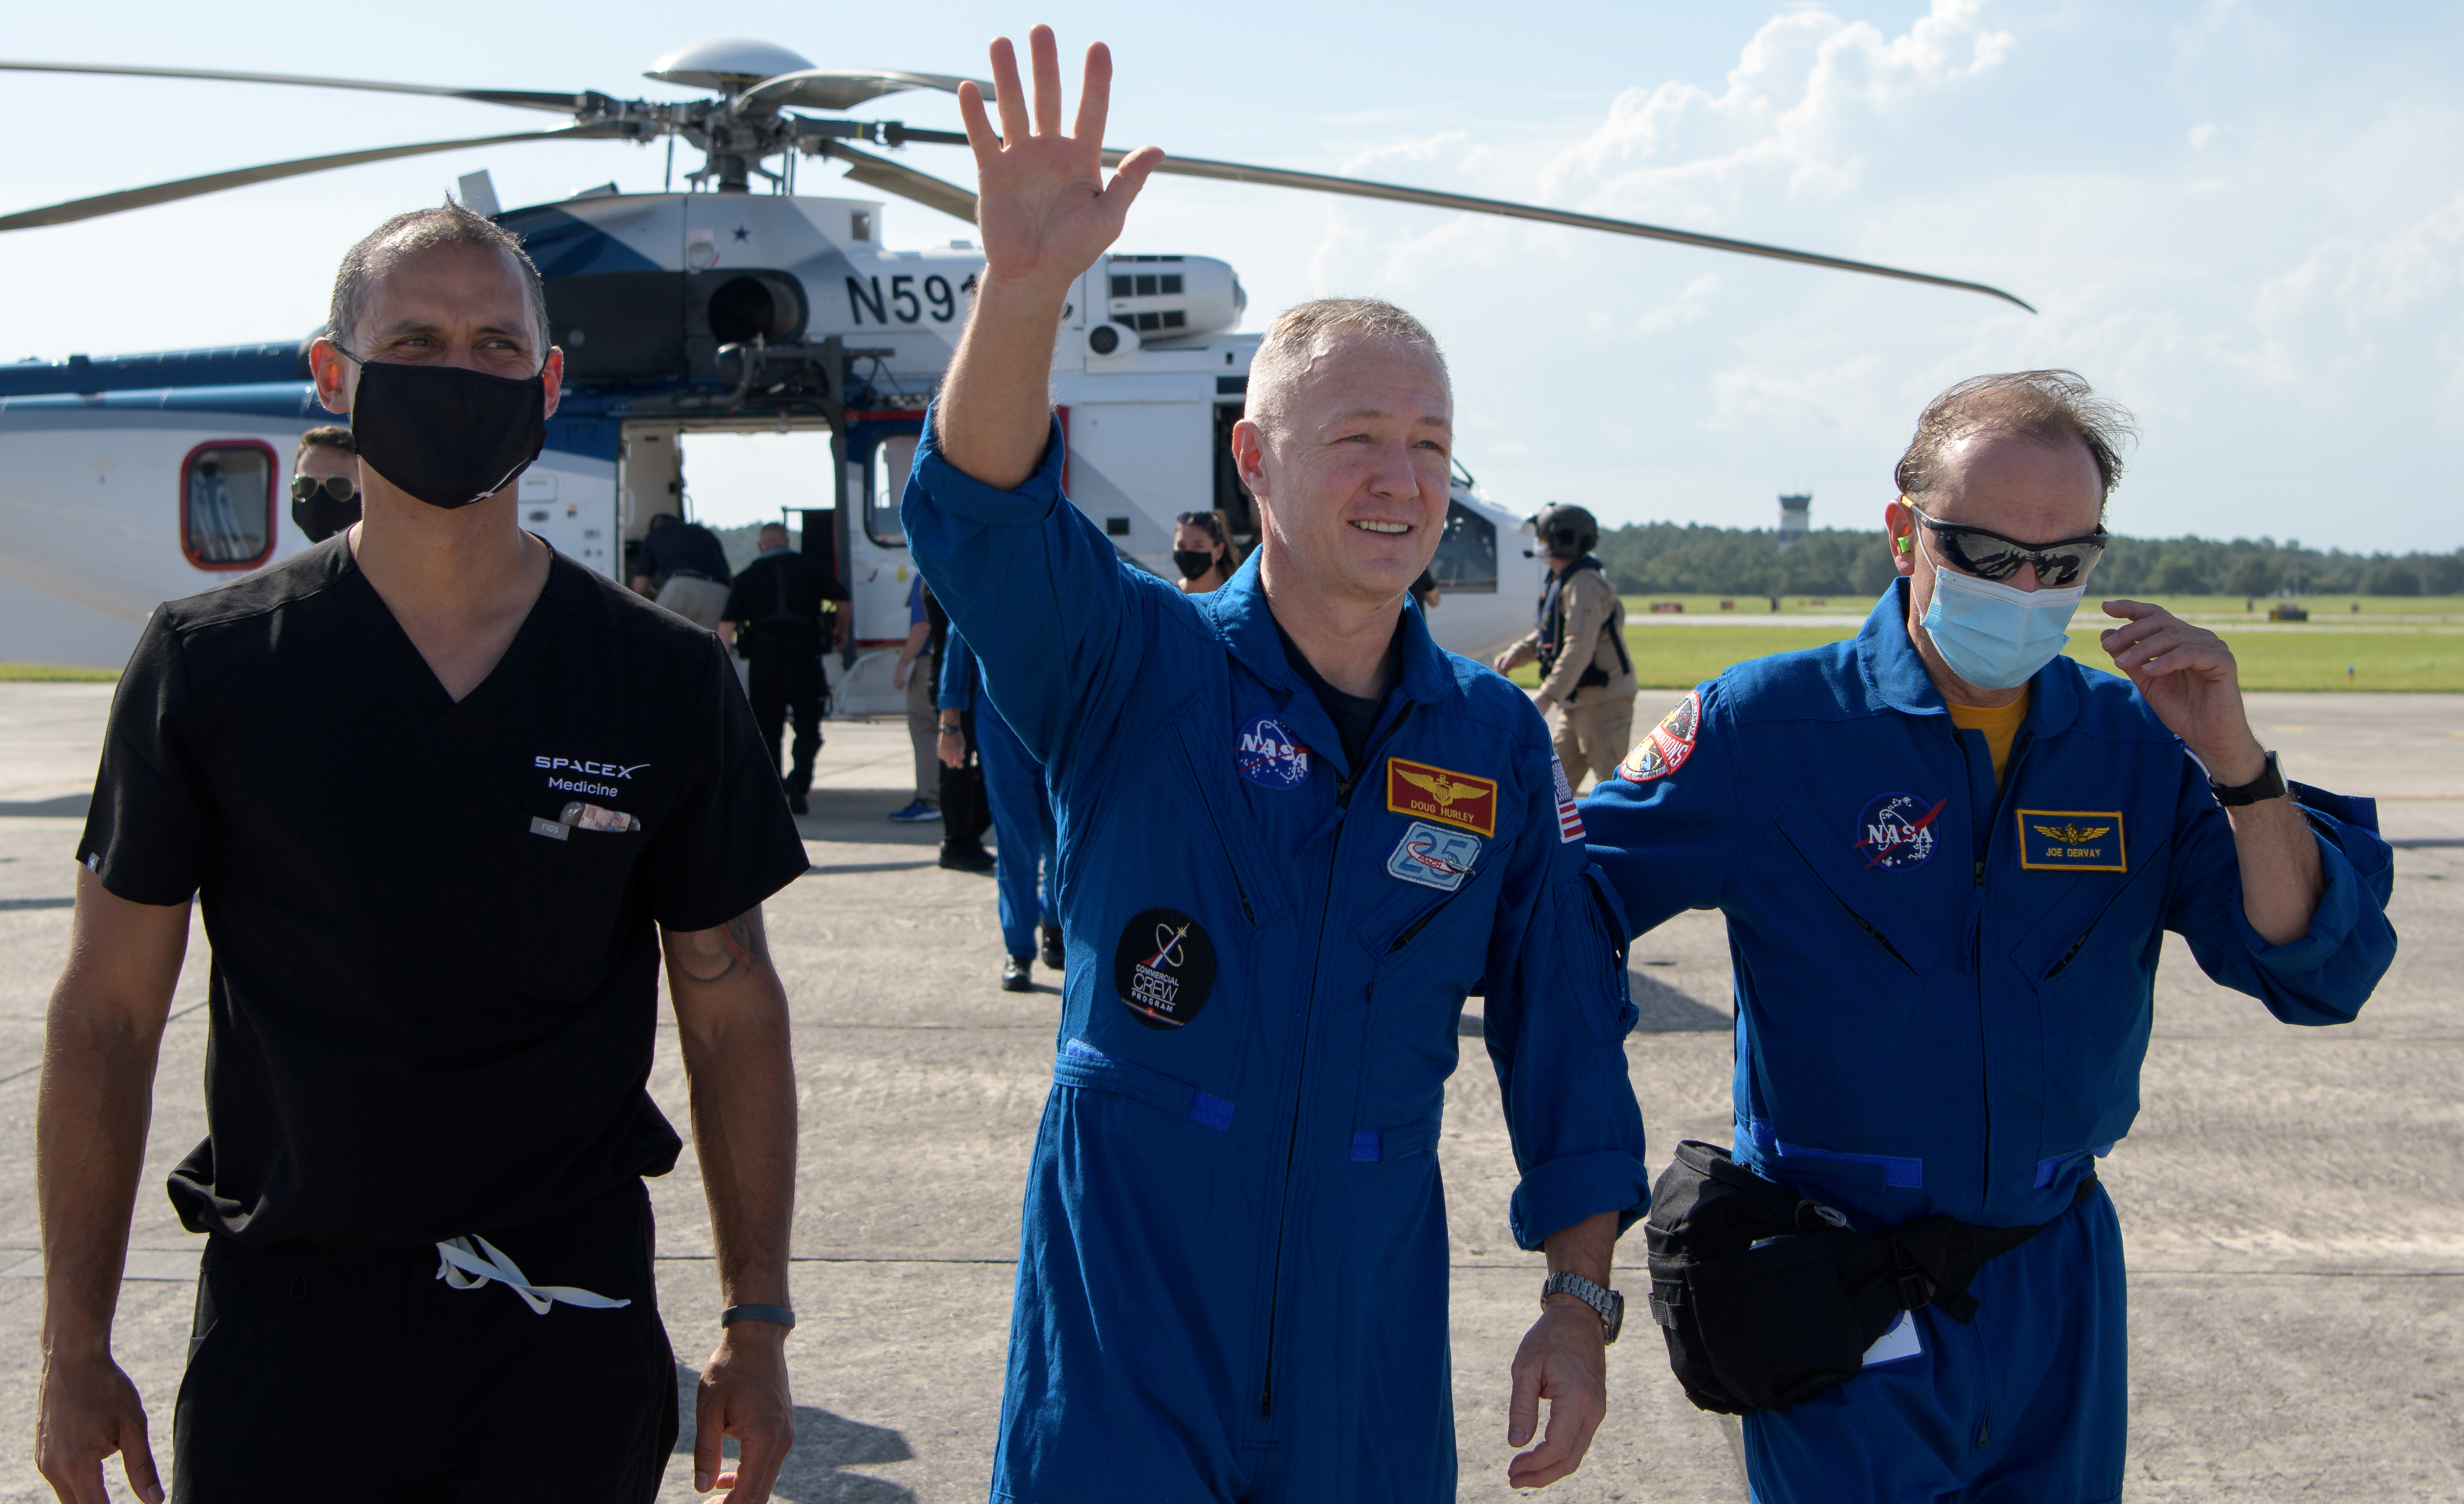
1975 939
1343 788
1231 866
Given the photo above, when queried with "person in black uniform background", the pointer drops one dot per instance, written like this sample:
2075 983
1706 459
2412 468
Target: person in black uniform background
683 567
431 1016
774 613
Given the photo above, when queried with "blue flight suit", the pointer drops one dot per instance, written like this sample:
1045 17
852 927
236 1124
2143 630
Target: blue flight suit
1233 1274
1022 829
1942 999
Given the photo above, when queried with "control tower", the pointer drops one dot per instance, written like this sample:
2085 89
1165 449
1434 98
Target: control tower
1792 517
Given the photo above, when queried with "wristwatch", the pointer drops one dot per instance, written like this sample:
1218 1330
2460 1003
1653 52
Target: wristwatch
2268 785
1610 1305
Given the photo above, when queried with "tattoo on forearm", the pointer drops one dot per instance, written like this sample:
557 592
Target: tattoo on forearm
710 956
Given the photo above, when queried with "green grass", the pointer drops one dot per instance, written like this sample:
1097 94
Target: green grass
55 673
2448 609
2306 657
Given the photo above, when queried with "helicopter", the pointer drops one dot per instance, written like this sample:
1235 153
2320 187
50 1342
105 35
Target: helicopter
735 303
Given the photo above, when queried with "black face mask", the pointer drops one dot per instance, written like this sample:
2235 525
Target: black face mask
447 435
318 511
1193 563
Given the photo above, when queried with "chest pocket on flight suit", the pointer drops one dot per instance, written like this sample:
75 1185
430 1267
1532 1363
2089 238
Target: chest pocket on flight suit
1872 914
1165 843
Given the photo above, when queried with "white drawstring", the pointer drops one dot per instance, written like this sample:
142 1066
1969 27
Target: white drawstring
463 1267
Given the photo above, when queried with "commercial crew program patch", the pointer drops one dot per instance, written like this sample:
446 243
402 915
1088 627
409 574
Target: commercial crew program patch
1271 757
2072 841
1668 745
1163 967
1434 794
1896 832
1434 857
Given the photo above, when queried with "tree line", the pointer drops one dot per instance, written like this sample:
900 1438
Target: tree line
1693 559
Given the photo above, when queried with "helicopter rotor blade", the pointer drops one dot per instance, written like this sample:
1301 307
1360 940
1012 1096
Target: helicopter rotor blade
1357 187
891 177
843 88
520 98
215 182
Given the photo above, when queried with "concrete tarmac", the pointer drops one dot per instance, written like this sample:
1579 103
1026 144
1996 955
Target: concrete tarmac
2293 1199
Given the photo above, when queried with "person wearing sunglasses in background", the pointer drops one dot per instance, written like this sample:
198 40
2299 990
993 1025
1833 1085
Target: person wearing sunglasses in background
1946 855
1202 551
325 482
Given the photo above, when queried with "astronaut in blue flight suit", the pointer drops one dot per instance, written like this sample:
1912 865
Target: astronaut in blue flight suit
1946 857
1294 834
1021 817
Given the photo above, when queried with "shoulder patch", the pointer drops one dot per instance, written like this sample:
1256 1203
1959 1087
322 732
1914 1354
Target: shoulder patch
1668 745
1569 815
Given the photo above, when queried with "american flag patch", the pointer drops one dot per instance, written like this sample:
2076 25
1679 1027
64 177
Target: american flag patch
1569 817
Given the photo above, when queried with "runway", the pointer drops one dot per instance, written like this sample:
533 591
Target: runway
2293 1199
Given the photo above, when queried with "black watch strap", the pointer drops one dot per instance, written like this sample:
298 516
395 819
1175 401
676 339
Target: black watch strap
2268 785
779 1313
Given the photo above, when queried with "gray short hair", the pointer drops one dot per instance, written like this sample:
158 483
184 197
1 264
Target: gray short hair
2052 407
1292 339
449 223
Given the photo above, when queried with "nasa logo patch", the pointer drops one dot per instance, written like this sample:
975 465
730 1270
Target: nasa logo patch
1269 757
1434 857
1164 968
1896 832
1670 743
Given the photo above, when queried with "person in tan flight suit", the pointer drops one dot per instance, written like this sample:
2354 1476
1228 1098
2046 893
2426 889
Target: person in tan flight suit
1586 675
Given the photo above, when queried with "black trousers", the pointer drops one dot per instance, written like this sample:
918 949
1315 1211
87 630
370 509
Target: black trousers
966 814
359 1374
784 684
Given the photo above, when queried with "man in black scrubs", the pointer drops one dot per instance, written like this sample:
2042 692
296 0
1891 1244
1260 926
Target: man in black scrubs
432 1004
776 609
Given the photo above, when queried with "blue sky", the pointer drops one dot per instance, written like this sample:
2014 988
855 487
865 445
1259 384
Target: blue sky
2244 220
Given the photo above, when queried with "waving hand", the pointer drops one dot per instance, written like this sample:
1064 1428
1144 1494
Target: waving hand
1045 214
1041 202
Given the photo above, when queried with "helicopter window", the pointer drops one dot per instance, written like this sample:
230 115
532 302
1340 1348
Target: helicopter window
885 482
1466 559
227 504
860 225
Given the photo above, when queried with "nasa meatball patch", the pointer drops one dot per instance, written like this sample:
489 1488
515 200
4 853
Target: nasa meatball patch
1670 743
1164 968
1271 757
1895 834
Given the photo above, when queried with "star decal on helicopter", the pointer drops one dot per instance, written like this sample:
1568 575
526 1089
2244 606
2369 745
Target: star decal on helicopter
742 233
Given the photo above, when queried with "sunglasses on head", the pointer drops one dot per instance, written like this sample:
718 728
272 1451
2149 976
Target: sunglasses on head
1990 556
337 488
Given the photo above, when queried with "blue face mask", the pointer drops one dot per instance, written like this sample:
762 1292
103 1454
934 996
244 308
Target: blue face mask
1997 636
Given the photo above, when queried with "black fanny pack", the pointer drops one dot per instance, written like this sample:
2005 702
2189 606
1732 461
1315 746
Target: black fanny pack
1767 1299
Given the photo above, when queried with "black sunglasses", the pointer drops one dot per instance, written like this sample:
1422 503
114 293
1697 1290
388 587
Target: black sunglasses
1990 556
337 488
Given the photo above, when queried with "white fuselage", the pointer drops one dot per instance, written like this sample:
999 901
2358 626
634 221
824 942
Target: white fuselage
117 500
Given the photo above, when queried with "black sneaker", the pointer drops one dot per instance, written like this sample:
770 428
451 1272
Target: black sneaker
1053 955
797 803
1016 972
966 858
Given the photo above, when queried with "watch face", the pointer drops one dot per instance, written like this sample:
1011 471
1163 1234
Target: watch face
1614 1320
